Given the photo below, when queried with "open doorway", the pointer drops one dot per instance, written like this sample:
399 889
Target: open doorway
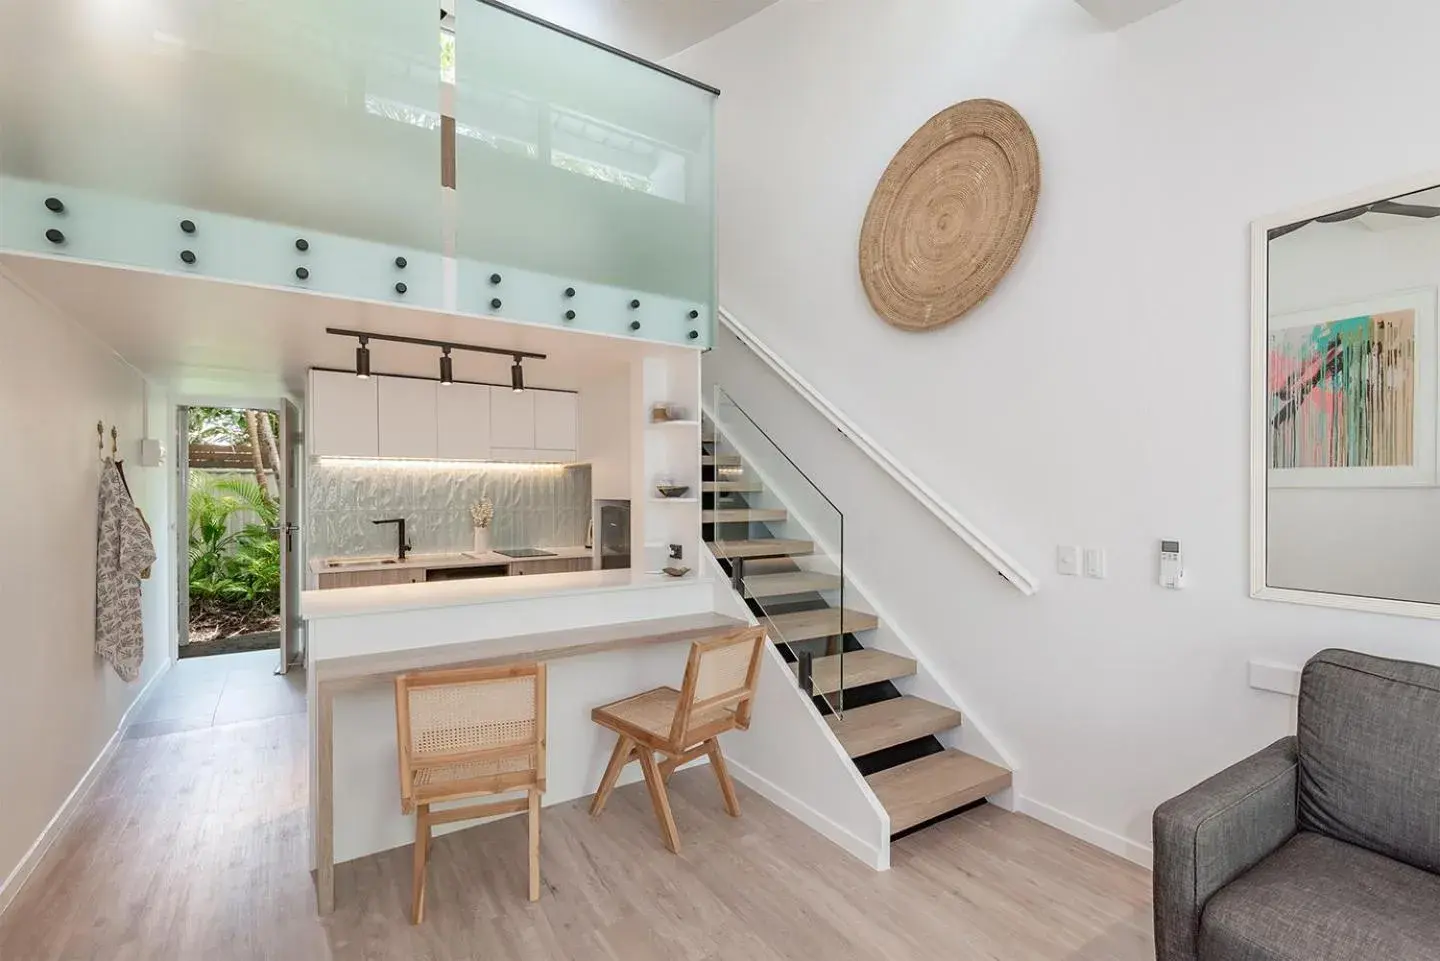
233 497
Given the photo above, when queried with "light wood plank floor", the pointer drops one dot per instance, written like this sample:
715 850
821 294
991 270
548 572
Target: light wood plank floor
193 848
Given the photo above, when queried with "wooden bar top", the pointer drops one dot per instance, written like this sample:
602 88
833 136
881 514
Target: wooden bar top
360 669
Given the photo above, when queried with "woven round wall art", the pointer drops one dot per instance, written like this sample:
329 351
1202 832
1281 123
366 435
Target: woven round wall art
950 215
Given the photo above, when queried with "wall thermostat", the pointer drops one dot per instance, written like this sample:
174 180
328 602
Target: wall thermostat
1172 566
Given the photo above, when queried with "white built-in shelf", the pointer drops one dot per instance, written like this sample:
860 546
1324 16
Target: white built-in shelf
672 423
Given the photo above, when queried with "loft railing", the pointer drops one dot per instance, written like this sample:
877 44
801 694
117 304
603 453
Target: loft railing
489 164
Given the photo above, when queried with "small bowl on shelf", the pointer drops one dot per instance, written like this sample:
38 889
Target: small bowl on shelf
675 571
672 490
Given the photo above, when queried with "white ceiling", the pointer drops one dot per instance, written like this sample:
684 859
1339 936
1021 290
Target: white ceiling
1118 13
653 29
226 342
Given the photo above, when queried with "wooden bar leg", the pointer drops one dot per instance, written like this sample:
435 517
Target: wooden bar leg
722 774
422 855
534 818
660 799
621 757
325 801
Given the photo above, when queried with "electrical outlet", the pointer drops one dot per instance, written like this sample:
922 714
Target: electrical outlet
1067 560
1095 562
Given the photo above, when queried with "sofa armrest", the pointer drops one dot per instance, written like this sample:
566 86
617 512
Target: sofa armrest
1213 833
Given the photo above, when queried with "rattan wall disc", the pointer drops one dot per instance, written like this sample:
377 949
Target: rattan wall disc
950 215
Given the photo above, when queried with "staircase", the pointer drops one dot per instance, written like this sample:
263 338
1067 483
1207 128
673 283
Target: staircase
796 589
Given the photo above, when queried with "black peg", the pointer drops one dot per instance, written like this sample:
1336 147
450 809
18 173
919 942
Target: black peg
188 226
302 245
400 288
55 205
302 272
494 278
400 262
634 325
693 335
569 291
188 256
495 303
569 315
54 236
694 315
634 305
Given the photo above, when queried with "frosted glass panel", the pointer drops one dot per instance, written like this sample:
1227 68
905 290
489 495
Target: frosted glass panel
575 163
317 113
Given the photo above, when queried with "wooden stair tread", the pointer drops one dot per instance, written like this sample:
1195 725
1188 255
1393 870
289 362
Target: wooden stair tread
770 565
733 487
821 622
926 788
721 460
794 582
860 668
874 727
769 547
735 515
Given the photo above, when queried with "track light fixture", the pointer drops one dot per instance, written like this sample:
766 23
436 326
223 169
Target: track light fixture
517 376
447 369
362 359
447 364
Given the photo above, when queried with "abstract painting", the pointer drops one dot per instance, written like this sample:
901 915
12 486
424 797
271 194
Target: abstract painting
1351 394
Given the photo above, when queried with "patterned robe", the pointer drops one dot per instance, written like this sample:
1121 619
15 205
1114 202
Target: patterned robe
123 555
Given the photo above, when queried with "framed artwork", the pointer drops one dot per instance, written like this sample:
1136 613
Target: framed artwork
1351 394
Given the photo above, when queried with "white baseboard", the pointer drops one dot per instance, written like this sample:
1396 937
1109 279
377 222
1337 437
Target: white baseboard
873 855
12 885
1140 854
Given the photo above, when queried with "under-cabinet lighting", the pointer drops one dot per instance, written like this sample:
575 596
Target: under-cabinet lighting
438 464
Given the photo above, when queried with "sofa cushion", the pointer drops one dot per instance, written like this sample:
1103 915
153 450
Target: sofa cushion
1369 740
1319 899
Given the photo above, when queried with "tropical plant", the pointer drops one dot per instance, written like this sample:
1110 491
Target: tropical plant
240 568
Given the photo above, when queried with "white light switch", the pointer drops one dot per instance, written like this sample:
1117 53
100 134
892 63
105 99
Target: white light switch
1095 562
1067 560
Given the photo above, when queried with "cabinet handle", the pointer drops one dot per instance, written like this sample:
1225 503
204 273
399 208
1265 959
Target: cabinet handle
188 256
401 262
302 245
569 315
54 236
494 278
188 226
55 205
302 272
495 303
569 291
400 288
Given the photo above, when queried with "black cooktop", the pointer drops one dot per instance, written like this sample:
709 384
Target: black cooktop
527 552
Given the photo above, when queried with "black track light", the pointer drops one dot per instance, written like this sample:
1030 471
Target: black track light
362 359
447 368
517 377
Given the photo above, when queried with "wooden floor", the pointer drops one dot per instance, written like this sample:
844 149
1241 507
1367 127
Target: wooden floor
193 848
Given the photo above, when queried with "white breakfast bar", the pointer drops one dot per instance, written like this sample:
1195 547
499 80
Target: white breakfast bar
605 634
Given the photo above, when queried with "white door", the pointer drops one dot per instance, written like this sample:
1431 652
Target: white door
407 417
512 418
463 421
292 555
342 415
555 421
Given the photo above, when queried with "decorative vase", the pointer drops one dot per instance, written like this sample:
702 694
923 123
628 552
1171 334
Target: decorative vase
482 540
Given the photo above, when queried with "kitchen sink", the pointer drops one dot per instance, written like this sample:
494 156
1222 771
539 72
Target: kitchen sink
358 561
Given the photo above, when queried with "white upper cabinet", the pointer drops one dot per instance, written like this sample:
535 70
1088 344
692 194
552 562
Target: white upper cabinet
464 422
556 421
408 417
342 415
512 418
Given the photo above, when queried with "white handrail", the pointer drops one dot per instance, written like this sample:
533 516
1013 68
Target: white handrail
1008 567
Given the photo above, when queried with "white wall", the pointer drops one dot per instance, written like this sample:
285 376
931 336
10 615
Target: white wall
1377 542
59 703
1100 396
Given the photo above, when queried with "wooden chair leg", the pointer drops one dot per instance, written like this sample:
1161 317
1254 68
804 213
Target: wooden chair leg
534 819
660 799
624 747
722 774
422 856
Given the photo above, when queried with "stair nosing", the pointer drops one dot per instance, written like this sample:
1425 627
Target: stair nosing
934 805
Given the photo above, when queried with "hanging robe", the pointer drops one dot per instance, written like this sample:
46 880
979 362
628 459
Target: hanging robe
123 555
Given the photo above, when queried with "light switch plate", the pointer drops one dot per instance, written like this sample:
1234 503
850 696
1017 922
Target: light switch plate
1095 562
1067 560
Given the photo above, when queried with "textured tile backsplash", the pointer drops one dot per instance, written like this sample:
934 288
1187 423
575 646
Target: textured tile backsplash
534 507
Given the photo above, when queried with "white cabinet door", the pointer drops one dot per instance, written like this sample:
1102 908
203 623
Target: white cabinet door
556 426
407 417
342 415
512 418
463 421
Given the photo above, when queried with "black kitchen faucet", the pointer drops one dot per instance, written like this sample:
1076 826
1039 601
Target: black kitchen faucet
402 548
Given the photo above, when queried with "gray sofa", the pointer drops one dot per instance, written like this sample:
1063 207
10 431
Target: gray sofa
1322 847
